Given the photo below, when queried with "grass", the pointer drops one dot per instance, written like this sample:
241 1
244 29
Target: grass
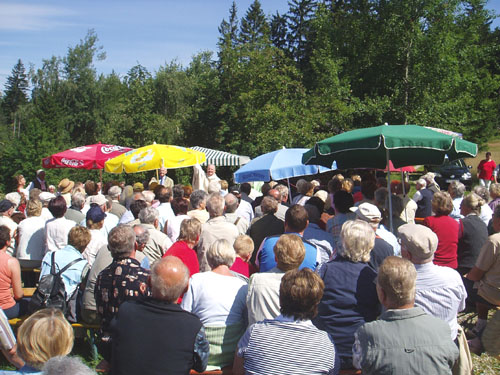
483 364
493 147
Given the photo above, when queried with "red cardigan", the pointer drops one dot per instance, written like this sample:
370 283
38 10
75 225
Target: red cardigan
446 230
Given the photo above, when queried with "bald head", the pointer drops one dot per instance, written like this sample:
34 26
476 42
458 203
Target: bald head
169 279
231 203
275 194
210 170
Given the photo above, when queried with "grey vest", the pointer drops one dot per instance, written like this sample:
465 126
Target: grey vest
407 342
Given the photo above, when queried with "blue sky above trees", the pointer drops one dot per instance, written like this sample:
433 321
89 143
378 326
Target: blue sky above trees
149 32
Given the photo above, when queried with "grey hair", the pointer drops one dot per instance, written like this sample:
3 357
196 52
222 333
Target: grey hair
148 215
220 253
215 205
282 189
142 237
197 197
14 198
457 189
482 192
77 200
114 192
422 182
358 239
160 286
231 203
149 196
121 241
63 365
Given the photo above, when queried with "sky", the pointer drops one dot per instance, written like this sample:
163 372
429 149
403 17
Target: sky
147 32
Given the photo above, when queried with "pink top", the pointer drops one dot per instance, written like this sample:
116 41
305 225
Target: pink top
6 298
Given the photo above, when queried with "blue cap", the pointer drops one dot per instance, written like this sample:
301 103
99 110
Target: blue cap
95 213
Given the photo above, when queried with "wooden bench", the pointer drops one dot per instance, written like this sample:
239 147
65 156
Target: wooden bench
90 332
223 371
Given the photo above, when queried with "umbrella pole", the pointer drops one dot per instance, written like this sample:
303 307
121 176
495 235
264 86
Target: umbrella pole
389 188
403 180
100 176
289 191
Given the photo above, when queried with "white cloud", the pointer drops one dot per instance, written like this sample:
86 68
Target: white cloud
24 17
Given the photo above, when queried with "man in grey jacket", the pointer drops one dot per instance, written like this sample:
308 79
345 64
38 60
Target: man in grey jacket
404 339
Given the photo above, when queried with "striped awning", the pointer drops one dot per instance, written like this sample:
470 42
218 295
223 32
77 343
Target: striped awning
221 158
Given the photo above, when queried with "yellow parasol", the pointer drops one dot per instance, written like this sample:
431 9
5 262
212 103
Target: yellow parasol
154 156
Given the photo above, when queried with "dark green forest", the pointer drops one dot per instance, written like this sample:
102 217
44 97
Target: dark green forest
289 80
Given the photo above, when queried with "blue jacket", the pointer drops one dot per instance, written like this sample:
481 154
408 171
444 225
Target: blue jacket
266 254
349 300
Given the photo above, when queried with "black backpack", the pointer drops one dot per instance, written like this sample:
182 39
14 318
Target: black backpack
51 291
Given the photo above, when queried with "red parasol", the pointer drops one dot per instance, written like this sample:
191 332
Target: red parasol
84 157
409 169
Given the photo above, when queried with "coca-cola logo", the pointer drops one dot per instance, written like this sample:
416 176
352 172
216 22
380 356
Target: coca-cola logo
110 149
72 162
80 149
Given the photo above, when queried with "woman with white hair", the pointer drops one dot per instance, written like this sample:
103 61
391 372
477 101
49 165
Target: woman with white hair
218 298
350 297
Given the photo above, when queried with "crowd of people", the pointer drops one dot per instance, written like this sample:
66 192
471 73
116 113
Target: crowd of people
316 280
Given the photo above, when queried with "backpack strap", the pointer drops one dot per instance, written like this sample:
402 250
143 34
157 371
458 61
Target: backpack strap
53 265
68 266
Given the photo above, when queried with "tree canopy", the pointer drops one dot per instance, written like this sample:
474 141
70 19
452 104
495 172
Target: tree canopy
291 79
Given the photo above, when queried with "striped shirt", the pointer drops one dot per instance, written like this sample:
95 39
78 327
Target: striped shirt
440 293
287 346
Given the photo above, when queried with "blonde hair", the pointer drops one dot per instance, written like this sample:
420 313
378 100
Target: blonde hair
79 237
442 203
289 251
473 202
243 245
397 277
358 239
220 253
33 208
495 190
44 335
347 185
190 230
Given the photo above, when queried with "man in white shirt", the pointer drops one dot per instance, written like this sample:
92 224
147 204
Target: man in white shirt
165 211
440 290
57 229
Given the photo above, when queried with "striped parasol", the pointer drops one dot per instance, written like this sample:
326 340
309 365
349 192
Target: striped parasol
221 158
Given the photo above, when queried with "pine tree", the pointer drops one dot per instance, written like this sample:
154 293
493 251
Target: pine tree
254 26
15 91
229 30
279 31
298 19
